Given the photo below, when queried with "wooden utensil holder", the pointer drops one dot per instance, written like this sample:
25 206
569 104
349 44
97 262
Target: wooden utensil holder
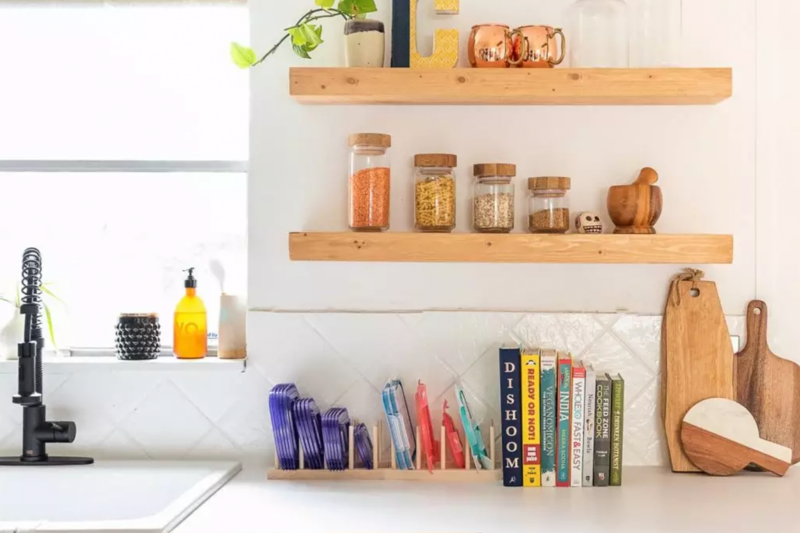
388 470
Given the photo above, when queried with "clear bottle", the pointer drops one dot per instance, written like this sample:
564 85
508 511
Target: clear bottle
548 205
655 33
190 328
493 198
435 192
600 34
369 187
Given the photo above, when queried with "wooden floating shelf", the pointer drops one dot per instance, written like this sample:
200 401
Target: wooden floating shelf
672 86
511 248
389 472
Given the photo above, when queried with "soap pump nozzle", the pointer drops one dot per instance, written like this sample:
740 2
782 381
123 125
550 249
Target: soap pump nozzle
191 281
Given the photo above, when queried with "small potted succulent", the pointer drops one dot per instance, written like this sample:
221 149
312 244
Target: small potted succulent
365 40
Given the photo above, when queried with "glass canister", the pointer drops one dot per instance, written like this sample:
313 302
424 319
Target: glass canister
600 34
655 33
435 192
370 182
548 205
493 198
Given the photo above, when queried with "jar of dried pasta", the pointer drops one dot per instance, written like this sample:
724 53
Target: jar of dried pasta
548 205
493 198
435 192
370 182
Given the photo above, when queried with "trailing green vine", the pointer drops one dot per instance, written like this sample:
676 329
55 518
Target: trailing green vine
304 35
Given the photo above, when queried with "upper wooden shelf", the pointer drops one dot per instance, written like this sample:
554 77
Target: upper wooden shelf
674 86
511 248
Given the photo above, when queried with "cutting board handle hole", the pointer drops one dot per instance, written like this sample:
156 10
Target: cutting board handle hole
757 311
694 293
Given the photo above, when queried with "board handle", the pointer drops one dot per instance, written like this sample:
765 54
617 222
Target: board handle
756 326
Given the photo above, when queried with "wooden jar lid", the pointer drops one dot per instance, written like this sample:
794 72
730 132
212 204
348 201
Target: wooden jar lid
494 169
436 160
370 139
549 182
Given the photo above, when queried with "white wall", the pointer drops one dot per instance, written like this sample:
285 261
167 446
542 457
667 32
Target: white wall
778 186
706 156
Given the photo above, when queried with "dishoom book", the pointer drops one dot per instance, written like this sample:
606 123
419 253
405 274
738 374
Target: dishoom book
512 426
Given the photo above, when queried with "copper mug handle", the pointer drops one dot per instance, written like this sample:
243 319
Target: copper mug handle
523 47
557 31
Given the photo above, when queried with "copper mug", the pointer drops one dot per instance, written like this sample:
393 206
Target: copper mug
536 47
492 46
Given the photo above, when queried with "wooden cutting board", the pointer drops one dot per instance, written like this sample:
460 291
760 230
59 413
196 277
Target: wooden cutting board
768 386
697 357
721 438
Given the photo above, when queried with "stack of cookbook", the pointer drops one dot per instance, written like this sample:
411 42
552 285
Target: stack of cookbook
562 421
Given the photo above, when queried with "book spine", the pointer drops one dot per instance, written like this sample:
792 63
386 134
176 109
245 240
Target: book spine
401 33
548 365
512 425
578 422
588 432
563 428
617 416
602 431
531 421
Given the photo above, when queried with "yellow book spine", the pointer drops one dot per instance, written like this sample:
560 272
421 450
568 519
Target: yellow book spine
531 421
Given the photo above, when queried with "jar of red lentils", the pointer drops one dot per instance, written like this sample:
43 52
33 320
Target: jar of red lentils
370 182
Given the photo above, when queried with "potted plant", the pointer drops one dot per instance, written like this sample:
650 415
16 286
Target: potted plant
365 41
12 332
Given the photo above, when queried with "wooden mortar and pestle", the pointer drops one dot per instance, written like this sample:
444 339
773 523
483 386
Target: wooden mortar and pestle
635 208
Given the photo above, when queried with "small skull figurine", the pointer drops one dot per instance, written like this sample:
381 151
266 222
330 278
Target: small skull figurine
589 222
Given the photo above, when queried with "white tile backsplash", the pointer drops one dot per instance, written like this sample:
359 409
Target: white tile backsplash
342 359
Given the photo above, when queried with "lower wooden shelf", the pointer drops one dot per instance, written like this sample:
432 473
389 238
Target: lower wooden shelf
511 248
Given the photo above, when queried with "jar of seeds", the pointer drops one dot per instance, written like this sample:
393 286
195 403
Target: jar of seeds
370 182
435 192
548 205
493 198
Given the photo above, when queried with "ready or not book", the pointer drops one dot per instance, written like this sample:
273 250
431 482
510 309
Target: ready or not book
617 417
578 422
563 426
549 387
510 393
602 430
531 420
588 432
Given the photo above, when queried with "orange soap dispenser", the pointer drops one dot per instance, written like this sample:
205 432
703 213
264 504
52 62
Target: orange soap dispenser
190 333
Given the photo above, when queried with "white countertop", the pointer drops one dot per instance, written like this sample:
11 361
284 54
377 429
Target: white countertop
651 500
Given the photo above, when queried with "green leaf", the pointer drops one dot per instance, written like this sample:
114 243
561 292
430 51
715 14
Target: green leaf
361 16
5 299
243 56
301 51
50 325
298 38
51 294
311 36
326 4
357 7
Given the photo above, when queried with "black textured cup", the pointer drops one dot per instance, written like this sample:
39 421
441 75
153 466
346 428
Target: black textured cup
138 337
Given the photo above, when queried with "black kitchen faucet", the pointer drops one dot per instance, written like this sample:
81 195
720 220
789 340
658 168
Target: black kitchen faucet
37 432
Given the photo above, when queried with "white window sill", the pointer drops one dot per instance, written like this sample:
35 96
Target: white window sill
69 365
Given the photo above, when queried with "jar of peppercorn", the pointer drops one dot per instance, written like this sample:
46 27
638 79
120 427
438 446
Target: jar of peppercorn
493 199
370 182
548 205
435 192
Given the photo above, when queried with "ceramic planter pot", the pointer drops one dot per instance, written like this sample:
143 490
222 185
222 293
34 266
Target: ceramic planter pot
365 43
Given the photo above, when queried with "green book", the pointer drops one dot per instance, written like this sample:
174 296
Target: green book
548 409
617 417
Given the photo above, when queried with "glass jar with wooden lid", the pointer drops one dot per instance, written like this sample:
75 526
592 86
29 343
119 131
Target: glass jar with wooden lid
370 182
493 198
435 192
548 204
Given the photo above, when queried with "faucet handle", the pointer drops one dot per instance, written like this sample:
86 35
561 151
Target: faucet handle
50 432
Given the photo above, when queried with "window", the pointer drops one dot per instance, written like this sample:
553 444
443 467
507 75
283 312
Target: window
123 149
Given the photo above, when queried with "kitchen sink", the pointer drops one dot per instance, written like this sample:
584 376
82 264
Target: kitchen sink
113 496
